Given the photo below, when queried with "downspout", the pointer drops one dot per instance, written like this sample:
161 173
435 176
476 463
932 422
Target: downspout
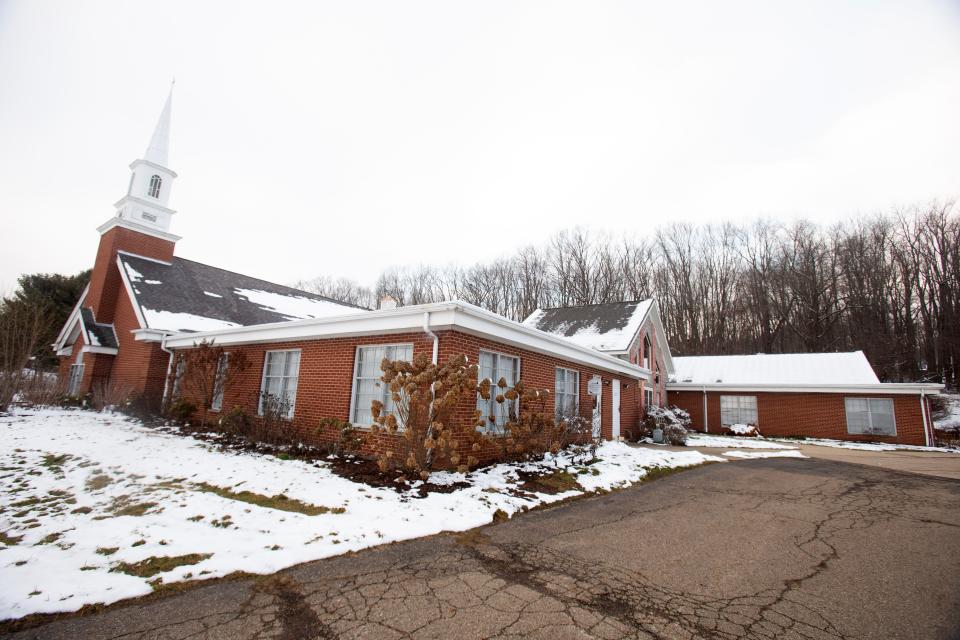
436 340
925 418
433 392
706 425
166 379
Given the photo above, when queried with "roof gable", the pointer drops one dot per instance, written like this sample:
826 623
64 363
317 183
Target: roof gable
605 327
188 296
776 369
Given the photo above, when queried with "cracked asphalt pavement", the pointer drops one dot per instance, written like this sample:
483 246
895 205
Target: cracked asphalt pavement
776 548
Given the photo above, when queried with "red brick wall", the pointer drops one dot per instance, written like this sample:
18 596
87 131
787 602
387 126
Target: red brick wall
139 367
105 283
815 415
326 377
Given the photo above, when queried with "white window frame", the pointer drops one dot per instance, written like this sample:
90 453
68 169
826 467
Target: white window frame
216 403
742 404
156 183
561 393
385 396
75 379
647 397
286 391
869 429
491 405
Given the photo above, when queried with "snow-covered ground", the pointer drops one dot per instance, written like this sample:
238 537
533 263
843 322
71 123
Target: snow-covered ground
950 421
85 497
734 442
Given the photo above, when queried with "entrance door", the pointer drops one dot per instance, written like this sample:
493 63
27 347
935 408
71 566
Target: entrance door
615 407
596 389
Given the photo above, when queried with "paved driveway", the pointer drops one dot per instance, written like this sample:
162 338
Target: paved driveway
775 548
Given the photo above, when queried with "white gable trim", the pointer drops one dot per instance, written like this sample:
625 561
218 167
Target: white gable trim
131 294
74 316
112 351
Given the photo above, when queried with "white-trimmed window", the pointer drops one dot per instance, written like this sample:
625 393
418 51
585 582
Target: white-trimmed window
567 400
154 190
738 410
219 378
281 370
496 366
648 398
367 383
76 377
870 416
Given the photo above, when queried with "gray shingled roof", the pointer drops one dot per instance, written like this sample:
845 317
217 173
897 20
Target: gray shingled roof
191 296
98 334
606 327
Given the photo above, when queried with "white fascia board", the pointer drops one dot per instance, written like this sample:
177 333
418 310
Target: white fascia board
152 164
133 226
110 351
66 351
149 335
144 203
137 255
895 388
458 316
131 295
663 345
73 317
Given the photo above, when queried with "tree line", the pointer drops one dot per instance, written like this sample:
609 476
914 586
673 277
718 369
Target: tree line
887 284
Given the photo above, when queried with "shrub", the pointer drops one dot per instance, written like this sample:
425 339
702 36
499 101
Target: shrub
42 389
425 397
674 422
21 325
274 425
349 438
206 371
236 422
747 430
105 394
180 410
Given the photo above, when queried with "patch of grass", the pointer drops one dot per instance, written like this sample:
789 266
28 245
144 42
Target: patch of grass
138 543
559 481
196 518
53 462
280 501
9 540
500 516
107 551
87 568
223 522
153 565
97 482
135 509
49 539
82 510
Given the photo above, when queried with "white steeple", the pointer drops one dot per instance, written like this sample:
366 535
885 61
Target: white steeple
158 151
144 207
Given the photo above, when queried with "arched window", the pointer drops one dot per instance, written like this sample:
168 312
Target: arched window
155 182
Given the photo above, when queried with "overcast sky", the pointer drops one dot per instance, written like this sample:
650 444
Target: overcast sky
341 138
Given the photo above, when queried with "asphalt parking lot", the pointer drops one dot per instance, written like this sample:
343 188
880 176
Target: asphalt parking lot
770 548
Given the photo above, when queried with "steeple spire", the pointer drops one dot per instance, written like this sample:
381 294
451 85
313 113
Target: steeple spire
158 151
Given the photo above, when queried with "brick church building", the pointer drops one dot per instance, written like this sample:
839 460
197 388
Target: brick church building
607 362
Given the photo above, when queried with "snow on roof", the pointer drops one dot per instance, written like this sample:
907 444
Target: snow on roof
779 368
292 307
605 327
188 296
